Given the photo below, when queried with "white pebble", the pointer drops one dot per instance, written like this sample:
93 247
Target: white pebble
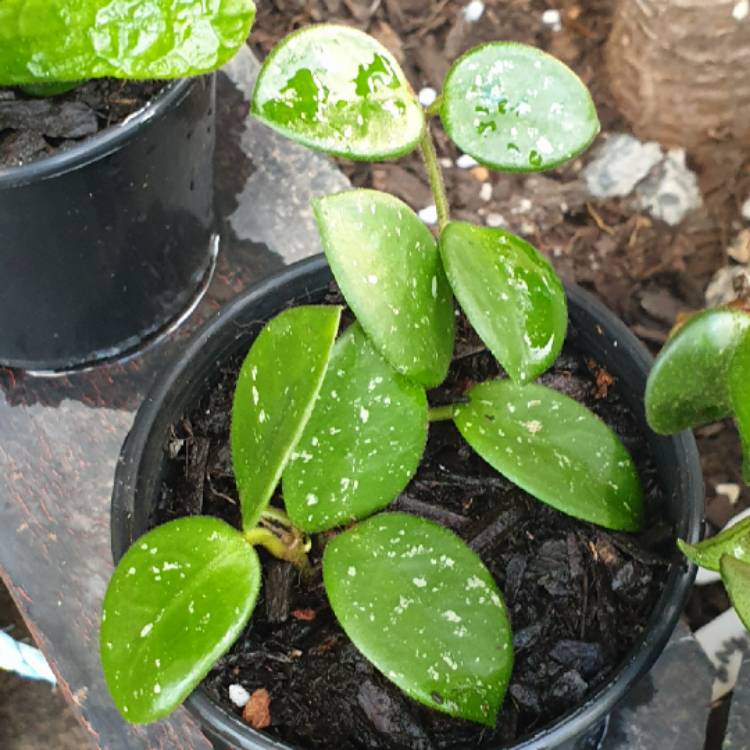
745 210
427 96
740 11
466 162
495 220
429 215
485 192
551 17
474 11
238 695
445 162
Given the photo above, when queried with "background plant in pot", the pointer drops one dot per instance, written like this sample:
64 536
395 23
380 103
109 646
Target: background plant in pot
342 423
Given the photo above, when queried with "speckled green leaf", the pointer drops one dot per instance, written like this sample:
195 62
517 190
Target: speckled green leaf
276 391
423 608
511 295
516 108
363 442
64 40
739 390
689 383
555 449
736 577
338 90
734 541
177 601
388 266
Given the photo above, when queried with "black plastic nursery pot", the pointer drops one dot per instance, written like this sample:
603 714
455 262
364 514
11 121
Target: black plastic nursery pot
593 330
109 241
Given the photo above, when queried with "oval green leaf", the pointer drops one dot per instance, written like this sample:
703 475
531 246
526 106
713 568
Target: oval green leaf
388 267
56 41
338 90
179 598
511 295
423 608
516 108
734 541
739 391
555 449
736 577
689 383
276 391
363 442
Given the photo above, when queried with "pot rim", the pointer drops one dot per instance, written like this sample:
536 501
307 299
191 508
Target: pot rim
642 655
100 145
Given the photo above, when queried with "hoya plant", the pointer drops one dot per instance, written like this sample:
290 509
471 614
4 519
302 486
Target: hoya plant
50 46
703 375
338 421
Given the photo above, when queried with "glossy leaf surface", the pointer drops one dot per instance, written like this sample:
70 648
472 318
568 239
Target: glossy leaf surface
736 577
555 449
734 541
423 608
338 90
178 599
363 443
59 40
388 266
739 390
516 108
689 383
511 295
276 391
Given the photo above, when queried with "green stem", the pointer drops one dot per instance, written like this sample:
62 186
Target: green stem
276 515
441 413
435 176
434 108
291 548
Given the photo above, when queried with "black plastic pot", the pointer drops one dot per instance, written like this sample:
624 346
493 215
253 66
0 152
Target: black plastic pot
593 329
109 241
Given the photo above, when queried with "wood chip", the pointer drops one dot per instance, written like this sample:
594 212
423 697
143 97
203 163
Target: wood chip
306 615
257 711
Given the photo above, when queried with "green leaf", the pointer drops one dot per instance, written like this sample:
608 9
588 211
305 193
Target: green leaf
57 40
388 266
423 608
736 577
734 541
555 449
516 108
363 443
338 90
739 390
511 295
179 598
276 391
49 89
689 383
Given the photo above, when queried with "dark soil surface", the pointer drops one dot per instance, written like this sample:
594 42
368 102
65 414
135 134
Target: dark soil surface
578 596
34 127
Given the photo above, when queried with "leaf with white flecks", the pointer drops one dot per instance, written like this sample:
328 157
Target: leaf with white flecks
736 577
739 392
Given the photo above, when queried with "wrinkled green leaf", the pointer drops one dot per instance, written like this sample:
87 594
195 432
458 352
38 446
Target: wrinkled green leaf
338 90
736 577
689 383
178 599
423 608
734 541
363 443
58 40
276 391
516 108
388 266
511 295
739 390
555 449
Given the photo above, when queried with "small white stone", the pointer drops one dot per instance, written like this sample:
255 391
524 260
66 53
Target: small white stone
495 220
445 162
238 695
552 18
740 10
427 96
466 162
429 215
474 11
745 210
485 192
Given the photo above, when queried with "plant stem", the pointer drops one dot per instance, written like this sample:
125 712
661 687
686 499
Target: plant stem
434 108
291 547
441 413
435 176
277 516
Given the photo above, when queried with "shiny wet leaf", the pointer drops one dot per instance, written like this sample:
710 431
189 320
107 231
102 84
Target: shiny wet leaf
516 108
555 449
178 599
338 90
58 40
388 267
734 541
363 442
423 608
511 295
689 383
739 391
276 390
736 577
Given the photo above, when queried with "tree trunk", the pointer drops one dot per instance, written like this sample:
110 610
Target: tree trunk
680 69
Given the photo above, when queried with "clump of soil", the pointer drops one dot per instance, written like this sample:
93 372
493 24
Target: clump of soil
578 596
34 127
